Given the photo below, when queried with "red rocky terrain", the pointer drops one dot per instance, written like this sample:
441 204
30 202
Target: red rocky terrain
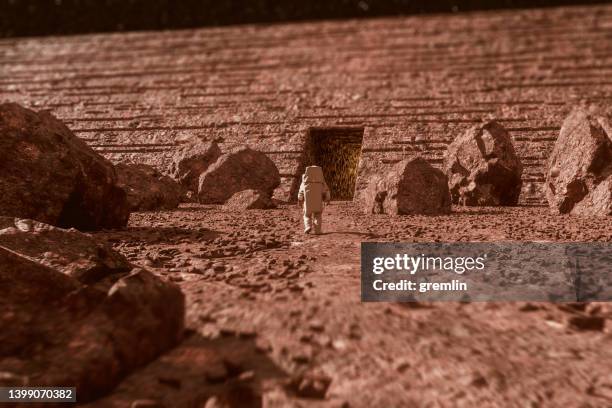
273 316
268 306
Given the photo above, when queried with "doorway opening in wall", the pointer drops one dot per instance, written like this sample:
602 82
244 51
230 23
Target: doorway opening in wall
337 150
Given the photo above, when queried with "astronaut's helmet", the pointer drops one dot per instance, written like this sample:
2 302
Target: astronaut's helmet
313 174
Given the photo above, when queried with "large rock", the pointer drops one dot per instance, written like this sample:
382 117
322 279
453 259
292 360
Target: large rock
483 168
249 200
191 160
48 174
412 186
78 313
239 170
147 189
75 254
579 176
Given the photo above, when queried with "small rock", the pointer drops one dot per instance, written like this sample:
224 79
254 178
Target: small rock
310 385
247 376
401 365
324 340
339 344
215 402
316 326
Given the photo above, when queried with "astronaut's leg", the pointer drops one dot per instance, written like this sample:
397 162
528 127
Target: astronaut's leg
307 222
317 220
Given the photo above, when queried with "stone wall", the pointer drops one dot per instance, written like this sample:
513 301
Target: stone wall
412 83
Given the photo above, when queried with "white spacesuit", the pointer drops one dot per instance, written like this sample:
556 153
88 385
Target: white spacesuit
313 192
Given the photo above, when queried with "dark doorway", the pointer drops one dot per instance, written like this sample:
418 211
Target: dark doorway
337 151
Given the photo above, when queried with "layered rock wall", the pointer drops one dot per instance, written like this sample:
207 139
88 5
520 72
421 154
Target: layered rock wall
412 83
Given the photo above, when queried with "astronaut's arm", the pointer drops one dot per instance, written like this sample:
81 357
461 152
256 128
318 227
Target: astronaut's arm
301 195
326 193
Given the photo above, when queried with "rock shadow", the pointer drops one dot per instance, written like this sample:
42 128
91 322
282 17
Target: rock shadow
159 235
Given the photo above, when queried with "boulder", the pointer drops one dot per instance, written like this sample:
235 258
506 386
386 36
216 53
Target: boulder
48 174
412 186
191 160
238 170
249 200
579 174
77 313
483 168
75 254
147 189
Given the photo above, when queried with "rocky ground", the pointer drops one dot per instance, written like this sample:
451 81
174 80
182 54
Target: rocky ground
275 317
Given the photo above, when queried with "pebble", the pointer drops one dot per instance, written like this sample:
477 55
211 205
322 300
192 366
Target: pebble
247 376
214 402
339 344
218 267
316 326
311 385
401 365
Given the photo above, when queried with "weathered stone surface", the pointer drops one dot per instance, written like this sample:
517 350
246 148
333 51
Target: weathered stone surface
73 253
191 160
249 200
77 313
579 176
483 168
48 174
147 189
412 186
243 109
238 170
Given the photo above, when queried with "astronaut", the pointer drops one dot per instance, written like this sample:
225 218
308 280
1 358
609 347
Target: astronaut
313 192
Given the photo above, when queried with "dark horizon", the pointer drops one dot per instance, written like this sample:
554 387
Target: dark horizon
60 17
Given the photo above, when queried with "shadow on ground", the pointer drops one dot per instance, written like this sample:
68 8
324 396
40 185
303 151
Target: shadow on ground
230 369
159 235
